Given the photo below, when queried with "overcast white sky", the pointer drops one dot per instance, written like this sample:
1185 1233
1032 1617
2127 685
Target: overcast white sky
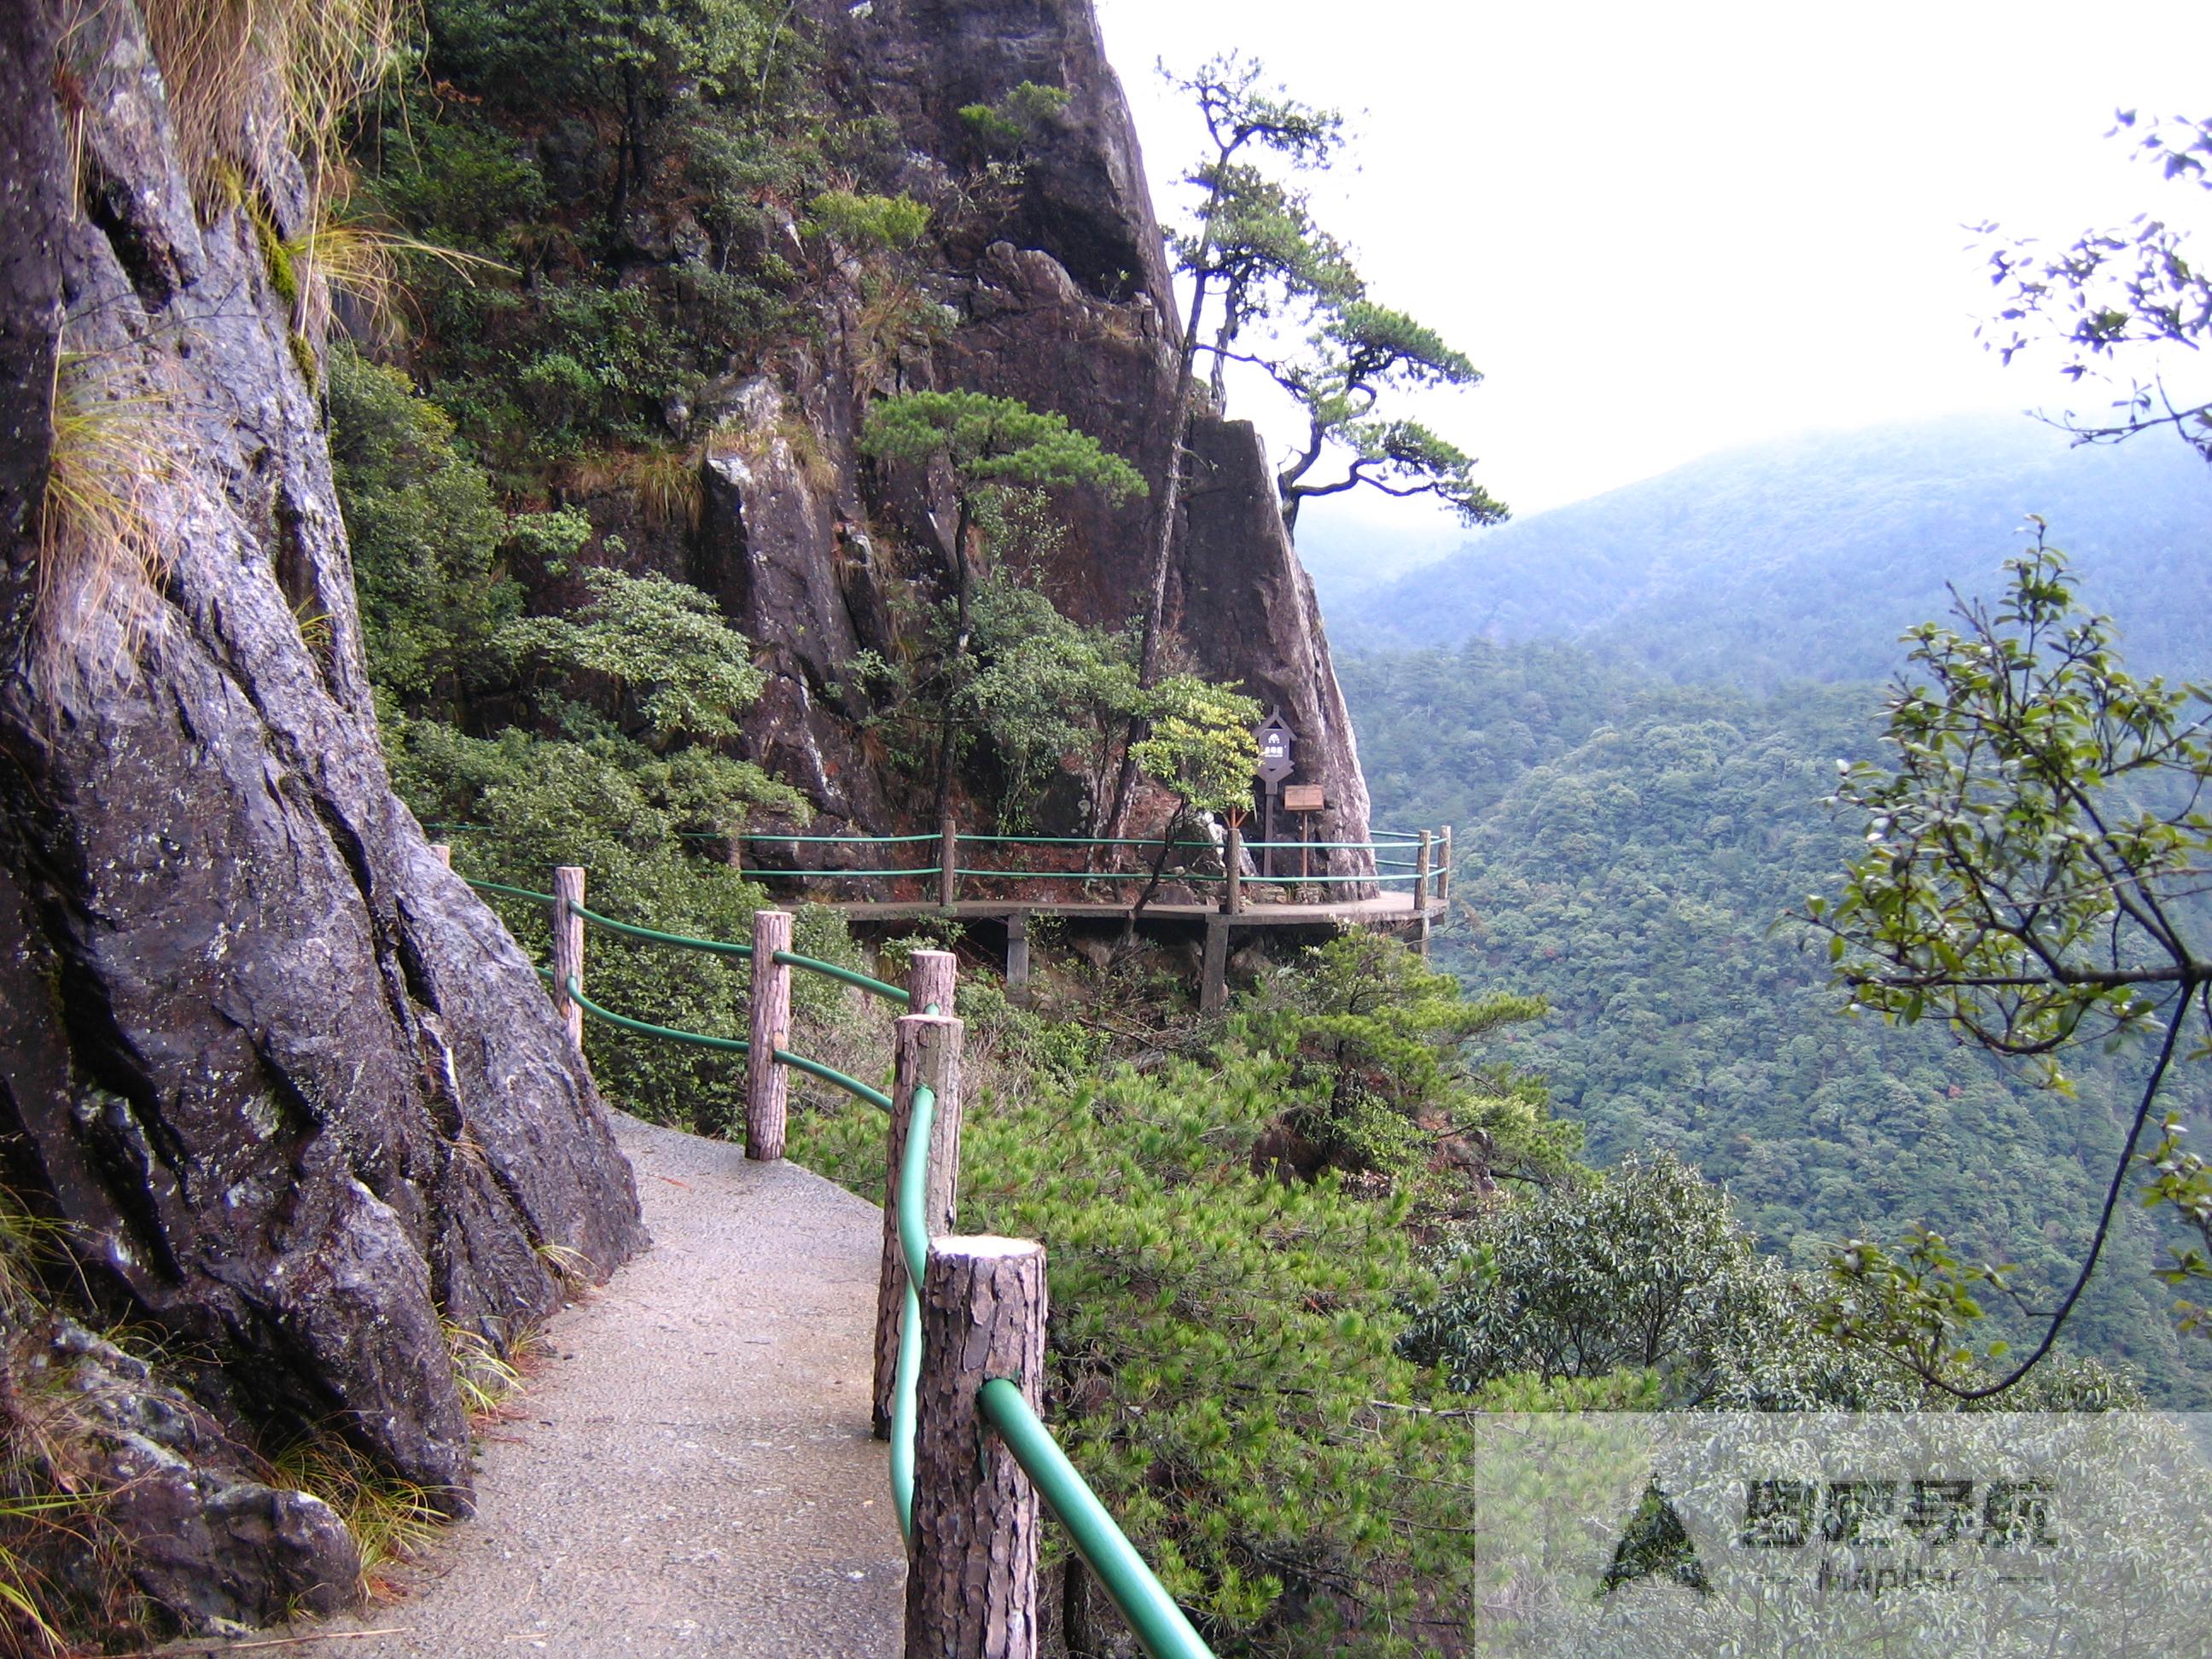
1665 229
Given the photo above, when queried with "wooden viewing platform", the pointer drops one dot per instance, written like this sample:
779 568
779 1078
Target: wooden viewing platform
1390 910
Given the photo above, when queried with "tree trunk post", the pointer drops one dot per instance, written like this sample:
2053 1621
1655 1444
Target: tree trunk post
1017 952
932 978
948 860
768 1085
1444 870
442 853
971 1582
927 1052
1232 863
1421 895
1213 978
568 947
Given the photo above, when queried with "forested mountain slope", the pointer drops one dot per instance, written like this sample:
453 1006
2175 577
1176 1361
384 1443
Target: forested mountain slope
1806 557
1627 848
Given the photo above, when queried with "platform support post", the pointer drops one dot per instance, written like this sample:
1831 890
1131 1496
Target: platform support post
1213 980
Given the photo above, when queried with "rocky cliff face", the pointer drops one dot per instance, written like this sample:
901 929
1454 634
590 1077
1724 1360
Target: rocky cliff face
1063 298
292 1093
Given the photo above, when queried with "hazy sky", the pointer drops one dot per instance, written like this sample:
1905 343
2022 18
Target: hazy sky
1663 229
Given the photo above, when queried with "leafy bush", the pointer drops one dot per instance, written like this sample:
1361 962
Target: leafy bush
1641 1270
1380 1075
867 223
425 532
1221 1347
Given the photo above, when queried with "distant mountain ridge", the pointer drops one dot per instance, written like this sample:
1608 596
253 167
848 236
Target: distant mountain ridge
1805 558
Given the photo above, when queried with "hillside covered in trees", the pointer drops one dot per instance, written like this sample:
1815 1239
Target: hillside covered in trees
1628 848
1805 558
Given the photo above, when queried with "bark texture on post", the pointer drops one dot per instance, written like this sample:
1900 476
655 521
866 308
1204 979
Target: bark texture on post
928 1052
768 1085
1444 869
932 979
568 947
1421 874
971 1582
294 1094
1213 977
1017 952
948 860
1232 865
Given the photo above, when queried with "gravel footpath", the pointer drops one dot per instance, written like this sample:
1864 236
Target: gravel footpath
690 1471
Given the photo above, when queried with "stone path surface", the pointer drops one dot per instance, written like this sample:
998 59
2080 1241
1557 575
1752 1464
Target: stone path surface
692 1471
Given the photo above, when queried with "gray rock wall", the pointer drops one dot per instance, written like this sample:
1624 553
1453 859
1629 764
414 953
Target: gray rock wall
297 1095
1063 301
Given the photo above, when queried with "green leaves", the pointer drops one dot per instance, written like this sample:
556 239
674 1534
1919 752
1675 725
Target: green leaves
673 666
994 440
1199 742
2030 874
2018 879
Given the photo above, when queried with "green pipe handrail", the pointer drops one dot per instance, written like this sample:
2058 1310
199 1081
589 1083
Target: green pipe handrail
718 946
733 1045
852 976
1159 1623
511 892
914 1244
851 1086
832 871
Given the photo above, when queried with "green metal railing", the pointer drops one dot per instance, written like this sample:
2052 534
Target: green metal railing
1160 1625
1389 871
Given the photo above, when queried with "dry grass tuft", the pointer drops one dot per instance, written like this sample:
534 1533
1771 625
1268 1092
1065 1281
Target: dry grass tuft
392 1521
101 560
250 80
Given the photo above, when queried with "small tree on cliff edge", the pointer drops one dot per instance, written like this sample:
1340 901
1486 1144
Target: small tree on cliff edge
986 443
2034 873
1255 245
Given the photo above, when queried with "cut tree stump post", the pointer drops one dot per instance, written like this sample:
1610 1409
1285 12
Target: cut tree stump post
768 1085
1421 895
971 1580
948 862
568 947
928 1051
1017 952
1233 864
1213 977
932 979
1444 870
442 853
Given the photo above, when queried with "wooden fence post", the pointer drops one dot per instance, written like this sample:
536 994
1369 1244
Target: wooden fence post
1017 952
1214 970
768 1085
932 978
1421 895
1232 865
568 947
442 853
948 862
927 1052
1444 870
971 1579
